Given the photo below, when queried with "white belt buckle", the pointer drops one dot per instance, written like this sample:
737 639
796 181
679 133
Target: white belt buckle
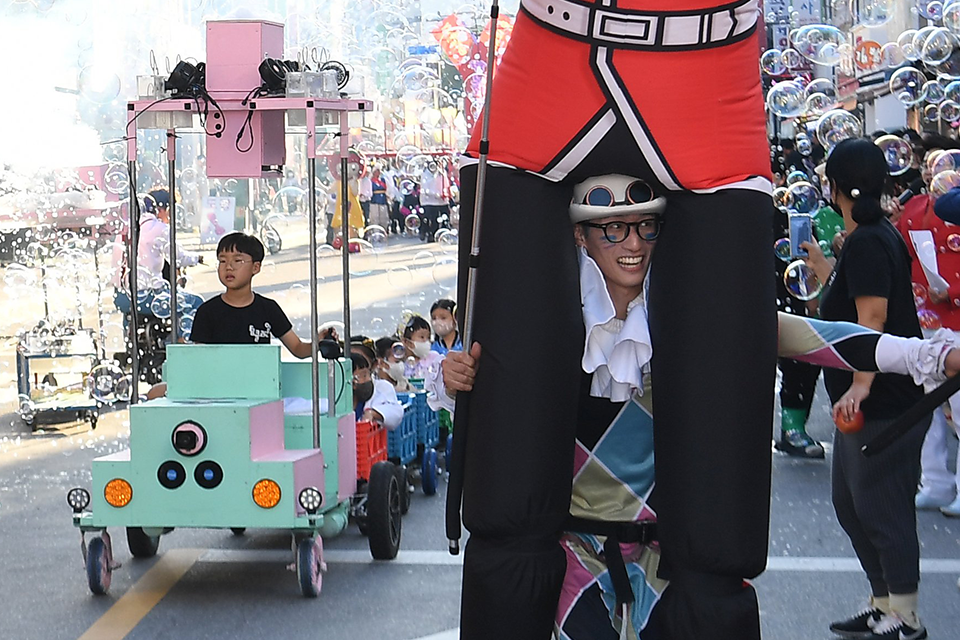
627 29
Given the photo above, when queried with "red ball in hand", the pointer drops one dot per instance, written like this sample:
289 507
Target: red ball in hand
850 426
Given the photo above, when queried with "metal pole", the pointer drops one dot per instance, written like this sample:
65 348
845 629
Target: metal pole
172 181
314 321
133 208
455 485
345 226
102 350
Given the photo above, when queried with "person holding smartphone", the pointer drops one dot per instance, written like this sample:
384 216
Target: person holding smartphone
873 497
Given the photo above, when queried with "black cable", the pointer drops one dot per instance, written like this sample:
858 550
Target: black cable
343 382
145 109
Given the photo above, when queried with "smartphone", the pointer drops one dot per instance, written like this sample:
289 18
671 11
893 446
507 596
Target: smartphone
801 230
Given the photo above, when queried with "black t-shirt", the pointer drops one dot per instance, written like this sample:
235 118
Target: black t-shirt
874 262
216 322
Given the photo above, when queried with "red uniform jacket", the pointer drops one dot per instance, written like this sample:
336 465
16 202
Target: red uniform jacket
918 215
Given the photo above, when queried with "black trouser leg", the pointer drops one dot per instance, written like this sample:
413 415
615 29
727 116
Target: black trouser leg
874 501
520 434
798 383
714 362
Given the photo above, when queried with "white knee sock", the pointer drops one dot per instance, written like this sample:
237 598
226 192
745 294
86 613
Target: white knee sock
905 606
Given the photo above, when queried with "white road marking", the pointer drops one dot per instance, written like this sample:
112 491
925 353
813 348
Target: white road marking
442 558
452 634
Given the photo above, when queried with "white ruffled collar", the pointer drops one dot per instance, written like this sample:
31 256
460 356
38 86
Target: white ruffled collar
616 350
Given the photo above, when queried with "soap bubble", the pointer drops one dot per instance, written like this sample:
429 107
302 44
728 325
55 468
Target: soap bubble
950 111
160 305
103 381
944 182
449 241
99 84
771 62
933 92
804 146
818 104
929 319
907 85
819 43
938 46
803 197
919 295
946 160
892 55
796 176
872 13
898 152
952 91
953 242
399 277
780 198
785 99
931 10
835 126
931 114
781 248
791 59
412 222
801 282
376 236
905 42
951 17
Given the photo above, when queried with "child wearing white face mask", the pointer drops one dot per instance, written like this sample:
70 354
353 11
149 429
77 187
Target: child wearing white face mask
444 323
390 363
420 358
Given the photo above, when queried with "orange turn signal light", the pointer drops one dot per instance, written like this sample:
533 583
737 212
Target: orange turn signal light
266 493
118 492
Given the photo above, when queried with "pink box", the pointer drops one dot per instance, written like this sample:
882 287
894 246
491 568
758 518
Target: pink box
235 49
224 160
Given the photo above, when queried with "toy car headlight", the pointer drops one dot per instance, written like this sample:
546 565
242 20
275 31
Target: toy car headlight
266 493
310 499
78 498
118 492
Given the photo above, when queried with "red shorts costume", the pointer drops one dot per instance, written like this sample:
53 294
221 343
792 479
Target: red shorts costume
672 70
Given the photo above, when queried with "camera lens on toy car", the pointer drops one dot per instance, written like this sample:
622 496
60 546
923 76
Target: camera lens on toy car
171 474
208 474
189 438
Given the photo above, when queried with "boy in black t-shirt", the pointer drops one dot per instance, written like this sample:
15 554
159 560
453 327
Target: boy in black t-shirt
238 315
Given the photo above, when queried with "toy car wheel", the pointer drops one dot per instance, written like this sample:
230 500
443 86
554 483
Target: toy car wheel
428 477
404 489
238 531
383 511
99 571
140 544
308 568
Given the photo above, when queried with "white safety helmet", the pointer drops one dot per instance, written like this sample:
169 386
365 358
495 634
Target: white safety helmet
613 195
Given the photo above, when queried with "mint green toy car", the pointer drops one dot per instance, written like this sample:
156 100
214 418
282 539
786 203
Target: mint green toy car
219 451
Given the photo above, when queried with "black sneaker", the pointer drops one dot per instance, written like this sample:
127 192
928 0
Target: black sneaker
860 625
892 627
798 444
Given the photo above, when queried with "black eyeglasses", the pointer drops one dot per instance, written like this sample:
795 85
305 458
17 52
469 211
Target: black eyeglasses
615 232
638 192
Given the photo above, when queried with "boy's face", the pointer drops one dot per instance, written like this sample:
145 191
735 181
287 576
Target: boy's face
420 335
236 269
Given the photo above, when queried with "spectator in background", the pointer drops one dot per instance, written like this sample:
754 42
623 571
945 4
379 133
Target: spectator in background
373 400
433 199
379 214
939 487
446 336
390 363
365 194
394 199
420 357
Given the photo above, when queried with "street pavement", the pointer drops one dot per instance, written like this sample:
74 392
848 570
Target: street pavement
212 584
